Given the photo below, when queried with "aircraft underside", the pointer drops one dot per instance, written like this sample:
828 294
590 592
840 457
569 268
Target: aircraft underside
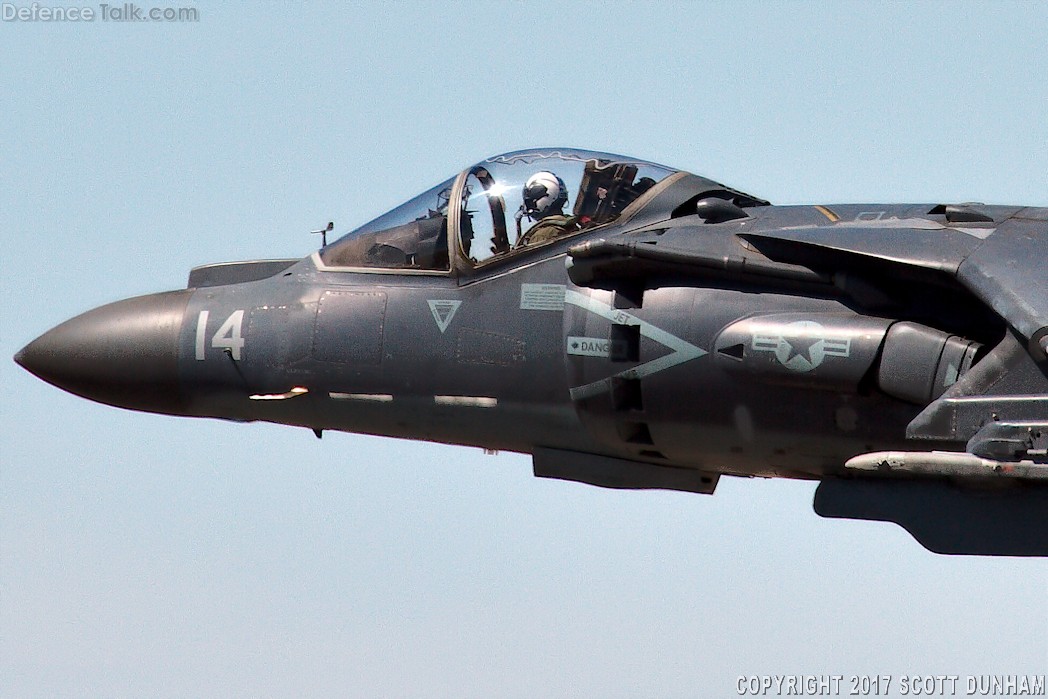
632 326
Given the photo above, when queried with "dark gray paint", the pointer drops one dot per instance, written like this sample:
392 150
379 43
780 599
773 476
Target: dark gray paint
701 356
222 273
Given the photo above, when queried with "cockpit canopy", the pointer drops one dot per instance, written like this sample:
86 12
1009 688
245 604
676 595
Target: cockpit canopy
500 207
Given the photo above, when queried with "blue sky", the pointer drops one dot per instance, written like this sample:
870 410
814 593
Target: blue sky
150 556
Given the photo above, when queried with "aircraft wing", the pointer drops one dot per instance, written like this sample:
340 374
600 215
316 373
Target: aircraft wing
1003 266
992 259
997 256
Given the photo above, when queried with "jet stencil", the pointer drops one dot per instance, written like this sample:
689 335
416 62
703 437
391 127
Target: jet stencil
635 326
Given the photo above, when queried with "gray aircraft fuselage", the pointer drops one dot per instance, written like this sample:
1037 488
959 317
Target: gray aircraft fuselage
684 331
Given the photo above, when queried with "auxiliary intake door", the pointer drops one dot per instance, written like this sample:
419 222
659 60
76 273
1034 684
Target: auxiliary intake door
611 354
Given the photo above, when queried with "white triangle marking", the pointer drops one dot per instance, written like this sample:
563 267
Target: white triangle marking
443 311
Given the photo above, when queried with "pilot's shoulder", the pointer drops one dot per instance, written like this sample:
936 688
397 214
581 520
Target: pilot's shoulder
568 223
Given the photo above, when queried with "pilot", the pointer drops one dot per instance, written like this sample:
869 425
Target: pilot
544 198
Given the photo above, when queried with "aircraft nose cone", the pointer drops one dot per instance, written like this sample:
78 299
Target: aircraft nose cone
123 354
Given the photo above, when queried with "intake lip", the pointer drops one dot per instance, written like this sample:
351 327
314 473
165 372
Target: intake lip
123 354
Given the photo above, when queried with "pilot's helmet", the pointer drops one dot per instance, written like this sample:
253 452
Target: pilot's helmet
544 195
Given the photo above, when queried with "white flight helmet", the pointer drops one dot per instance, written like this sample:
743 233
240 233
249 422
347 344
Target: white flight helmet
544 194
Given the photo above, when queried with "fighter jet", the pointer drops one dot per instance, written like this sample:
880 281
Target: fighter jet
634 326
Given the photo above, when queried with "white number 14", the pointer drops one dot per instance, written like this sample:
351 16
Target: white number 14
228 337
